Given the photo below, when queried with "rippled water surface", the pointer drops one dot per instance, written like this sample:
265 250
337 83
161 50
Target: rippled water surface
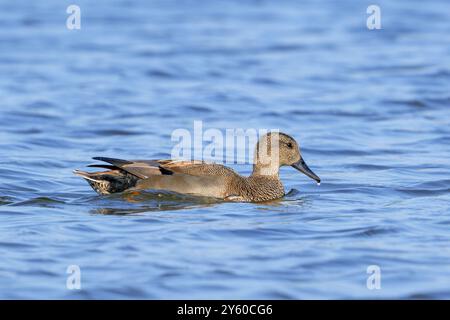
370 109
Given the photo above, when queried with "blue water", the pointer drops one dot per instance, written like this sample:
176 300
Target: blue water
370 109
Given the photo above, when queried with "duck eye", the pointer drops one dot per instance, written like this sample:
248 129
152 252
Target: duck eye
289 145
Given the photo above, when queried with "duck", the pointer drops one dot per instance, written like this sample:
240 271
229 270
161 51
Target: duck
205 179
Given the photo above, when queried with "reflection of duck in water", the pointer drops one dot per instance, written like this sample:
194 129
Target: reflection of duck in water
205 179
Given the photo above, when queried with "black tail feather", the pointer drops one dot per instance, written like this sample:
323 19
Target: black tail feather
113 161
103 166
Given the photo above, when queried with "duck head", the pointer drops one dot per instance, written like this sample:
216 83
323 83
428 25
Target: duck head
277 149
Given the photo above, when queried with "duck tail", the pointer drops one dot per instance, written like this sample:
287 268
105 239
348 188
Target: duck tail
100 185
108 182
85 175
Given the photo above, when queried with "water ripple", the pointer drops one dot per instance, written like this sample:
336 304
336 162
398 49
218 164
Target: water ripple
369 108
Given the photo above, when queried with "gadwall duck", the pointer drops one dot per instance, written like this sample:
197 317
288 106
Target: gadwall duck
205 179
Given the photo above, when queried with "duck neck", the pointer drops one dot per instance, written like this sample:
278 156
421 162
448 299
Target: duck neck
268 170
264 164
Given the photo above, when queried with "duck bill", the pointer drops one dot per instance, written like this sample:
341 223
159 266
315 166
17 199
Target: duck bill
302 167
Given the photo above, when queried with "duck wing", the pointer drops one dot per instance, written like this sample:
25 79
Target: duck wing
146 168
195 168
139 169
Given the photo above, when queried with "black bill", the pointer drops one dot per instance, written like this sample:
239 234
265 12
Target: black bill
302 167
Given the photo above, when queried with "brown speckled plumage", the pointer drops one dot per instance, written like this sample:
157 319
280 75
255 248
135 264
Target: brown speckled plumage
204 179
